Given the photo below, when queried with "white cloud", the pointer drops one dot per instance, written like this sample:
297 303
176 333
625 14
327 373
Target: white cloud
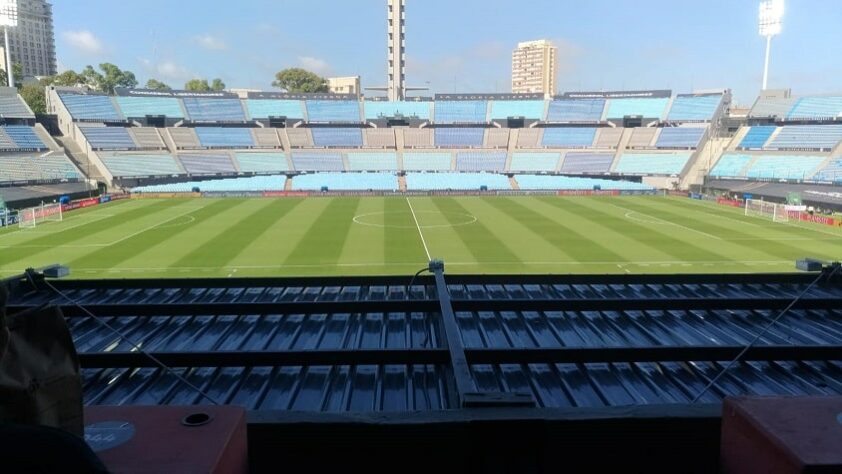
210 42
167 70
319 66
84 41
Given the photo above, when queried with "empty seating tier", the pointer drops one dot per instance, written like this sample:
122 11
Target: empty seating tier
201 109
219 137
831 172
337 137
807 137
184 138
418 137
456 182
680 137
262 162
694 108
372 161
251 184
528 109
469 111
317 161
427 161
126 166
266 138
264 109
141 107
642 137
497 138
568 137
12 105
646 108
207 163
337 111
91 107
587 163
579 110
481 161
756 138
345 182
817 108
376 110
530 137
109 138
547 162
379 138
23 168
730 165
784 167
768 108
609 137
24 137
651 163
559 183
300 137
460 137
147 138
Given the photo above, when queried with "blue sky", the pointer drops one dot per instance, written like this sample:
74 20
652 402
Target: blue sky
462 45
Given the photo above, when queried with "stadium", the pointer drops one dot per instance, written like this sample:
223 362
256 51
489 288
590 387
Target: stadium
594 270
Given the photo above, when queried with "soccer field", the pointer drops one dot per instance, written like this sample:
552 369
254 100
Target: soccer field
397 236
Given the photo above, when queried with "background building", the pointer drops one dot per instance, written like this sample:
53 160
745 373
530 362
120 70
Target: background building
33 42
344 85
534 67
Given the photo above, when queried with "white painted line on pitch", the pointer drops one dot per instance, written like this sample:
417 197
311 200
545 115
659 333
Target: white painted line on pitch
629 211
147 229
418 226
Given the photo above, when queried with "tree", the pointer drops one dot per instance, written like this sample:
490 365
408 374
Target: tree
299 80
201 85
66 79
112 77
17 69
157 85
35 97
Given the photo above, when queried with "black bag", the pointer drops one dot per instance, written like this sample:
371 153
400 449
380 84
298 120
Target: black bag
40 382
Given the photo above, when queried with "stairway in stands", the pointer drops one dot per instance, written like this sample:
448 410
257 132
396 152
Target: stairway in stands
80 159
514 183
402 183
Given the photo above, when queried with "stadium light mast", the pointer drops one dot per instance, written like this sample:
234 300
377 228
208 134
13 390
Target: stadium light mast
771 23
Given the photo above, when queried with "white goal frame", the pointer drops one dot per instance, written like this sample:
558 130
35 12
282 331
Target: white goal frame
767 210
30 218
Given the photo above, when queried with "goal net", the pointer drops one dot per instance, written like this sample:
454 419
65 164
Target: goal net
31 217
768 210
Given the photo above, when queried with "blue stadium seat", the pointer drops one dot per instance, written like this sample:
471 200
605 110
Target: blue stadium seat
784 167
569 137
680 137
831 172
529 109
140 107
481 161
345 182
807 137
265 108
373 161
694 108
375 110
648 108
90 107
23 167
730 165
651 163
333 111
24 137
547 162
109 138
13 106
756 137
207 163
317 161
125 166
456 181
337 137
817 108
201 109
459 137
587 163
426 161
565 183
251 184
219 137
469 111
578 110
262 162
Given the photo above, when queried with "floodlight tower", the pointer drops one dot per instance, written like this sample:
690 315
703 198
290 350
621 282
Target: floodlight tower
771 23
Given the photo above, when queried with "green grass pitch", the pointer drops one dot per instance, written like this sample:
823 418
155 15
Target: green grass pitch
396 236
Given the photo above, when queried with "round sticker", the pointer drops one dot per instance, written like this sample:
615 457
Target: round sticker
108 434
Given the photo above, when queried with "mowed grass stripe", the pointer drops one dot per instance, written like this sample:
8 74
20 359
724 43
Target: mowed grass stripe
225 246
564 236
777 249
325 239
661 239
364 243
83 232
113 255
401 242
478 239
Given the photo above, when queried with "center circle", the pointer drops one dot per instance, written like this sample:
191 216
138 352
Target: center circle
426 219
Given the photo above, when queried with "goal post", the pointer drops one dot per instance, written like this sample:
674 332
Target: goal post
31 217
767 210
